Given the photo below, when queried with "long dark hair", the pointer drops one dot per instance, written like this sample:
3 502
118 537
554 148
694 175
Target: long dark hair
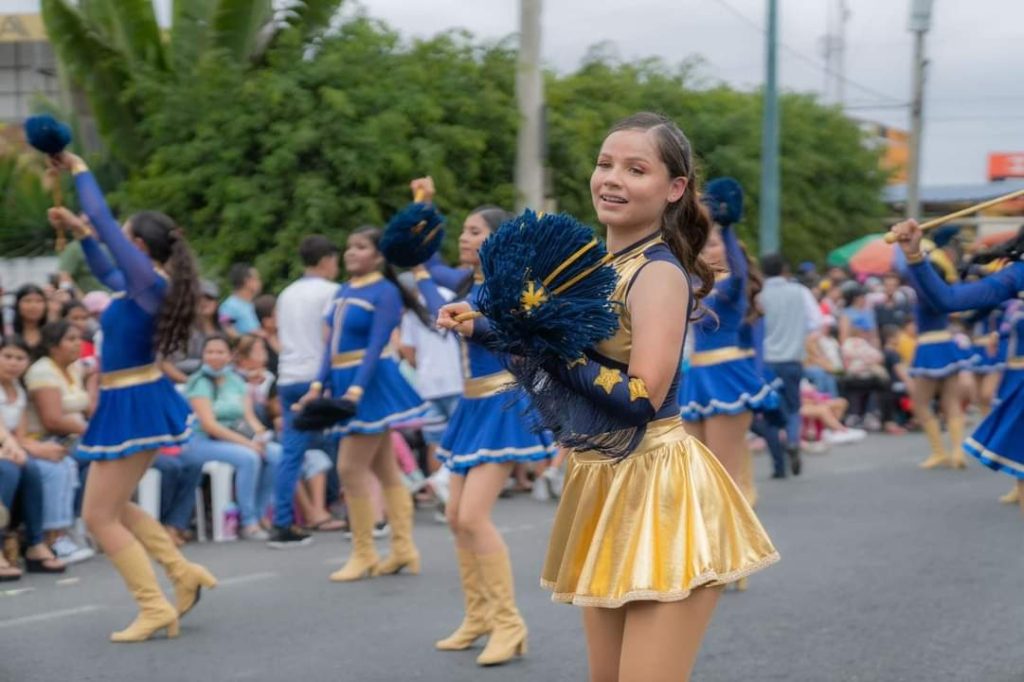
27 290
167 245
494 216
410 300
755 282
52 334
1011 250
685 225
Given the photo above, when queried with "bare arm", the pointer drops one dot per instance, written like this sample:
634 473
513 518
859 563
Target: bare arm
47 401
658 307
213 428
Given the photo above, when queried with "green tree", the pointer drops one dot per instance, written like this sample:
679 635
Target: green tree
108 46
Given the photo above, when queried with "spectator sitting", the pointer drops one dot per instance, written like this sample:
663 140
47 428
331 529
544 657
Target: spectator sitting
856 313
237 311
829 411
29 318
266 313
187 362
866 381
229 431
21 476
311 493
823 363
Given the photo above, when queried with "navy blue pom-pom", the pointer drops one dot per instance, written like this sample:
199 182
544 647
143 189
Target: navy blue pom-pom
546 287
47 134
724 199
413 235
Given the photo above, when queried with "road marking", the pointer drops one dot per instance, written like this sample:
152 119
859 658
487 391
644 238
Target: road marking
247 578
68 581
52 615
16 592
517 529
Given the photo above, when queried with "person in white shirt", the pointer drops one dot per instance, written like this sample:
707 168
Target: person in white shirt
300 311
437 358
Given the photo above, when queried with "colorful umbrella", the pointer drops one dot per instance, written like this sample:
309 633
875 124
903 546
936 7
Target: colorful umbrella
841 256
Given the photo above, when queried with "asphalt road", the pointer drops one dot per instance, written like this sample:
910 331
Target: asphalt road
888 573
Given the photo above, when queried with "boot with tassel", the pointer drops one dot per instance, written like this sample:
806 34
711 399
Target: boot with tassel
155 612
508 636
477 621
364 554
188 578
398 503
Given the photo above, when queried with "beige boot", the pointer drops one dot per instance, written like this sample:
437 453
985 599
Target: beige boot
1012 497
477 621
398 503
508 638
939 457
155 612
188 578
364 554
956 439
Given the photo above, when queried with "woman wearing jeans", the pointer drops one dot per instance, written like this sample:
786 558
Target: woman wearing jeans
229 432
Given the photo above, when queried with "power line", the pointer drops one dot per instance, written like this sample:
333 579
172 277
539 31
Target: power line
739 14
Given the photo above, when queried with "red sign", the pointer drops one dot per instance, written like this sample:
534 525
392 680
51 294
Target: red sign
1005 165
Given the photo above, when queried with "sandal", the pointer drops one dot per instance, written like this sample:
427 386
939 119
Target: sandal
328 525
9 573
49 564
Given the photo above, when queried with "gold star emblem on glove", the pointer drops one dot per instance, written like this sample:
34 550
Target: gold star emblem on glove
608 378
637 389
533 296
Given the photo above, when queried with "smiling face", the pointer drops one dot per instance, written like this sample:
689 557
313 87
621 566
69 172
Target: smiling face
361 256
474 232
714 250
631 185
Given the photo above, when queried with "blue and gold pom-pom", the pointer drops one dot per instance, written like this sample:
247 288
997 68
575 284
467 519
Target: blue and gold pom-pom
47 134
546 287
413 235
724 200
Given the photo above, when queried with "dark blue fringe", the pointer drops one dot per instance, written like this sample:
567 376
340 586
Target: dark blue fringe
410 239
724 200
47 134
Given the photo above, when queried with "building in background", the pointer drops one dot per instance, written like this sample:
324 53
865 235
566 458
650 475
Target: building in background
28 67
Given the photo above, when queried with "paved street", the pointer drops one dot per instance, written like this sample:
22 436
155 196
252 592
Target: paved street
888 573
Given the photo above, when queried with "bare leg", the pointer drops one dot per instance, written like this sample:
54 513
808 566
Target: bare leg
661 640
987 392
108 490
726 436
355 457
922 390
456 483
604 631
302 500
952 406
479 492
697 430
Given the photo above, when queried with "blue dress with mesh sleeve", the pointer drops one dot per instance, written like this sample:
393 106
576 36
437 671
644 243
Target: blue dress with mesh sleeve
139 408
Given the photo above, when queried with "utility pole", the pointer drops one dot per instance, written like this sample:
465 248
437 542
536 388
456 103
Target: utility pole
920 22
833 47
769 218
530 97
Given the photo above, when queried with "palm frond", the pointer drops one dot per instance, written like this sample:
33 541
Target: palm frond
236 25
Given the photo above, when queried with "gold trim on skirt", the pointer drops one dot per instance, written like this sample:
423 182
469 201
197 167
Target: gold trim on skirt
719 355
486 386
934 337
133 376
655 526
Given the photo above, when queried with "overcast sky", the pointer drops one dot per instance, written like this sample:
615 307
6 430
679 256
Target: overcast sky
974 97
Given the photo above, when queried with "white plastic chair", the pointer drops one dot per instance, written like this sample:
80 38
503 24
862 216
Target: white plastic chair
221 494
149 493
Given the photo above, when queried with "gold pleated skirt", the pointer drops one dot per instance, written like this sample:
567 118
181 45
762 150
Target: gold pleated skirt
652 527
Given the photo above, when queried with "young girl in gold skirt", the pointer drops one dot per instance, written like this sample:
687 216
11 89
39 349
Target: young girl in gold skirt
645 542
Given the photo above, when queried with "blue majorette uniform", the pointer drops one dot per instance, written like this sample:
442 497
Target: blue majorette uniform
722 378
138 409
937 355
996 442
986 323
492 422
362 316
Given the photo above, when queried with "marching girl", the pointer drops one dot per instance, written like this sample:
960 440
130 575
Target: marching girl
722 389
991 356
361 319
487 435
996 441
139 411
938 361
643 542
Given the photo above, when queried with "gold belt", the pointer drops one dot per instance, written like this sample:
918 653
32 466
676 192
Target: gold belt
1015 363
133 376
486 386
934 337
350 358
719 355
